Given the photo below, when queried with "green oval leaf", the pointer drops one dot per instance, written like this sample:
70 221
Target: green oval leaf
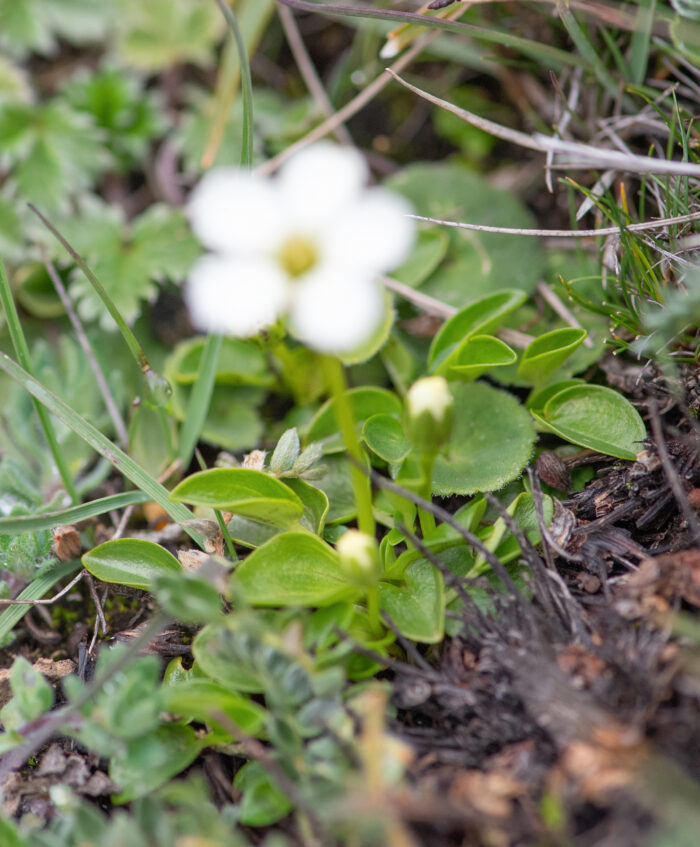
477 354
548 351
263 802
201 699
130 561
187 596
596 417
365 402
418 607
479 317
293 569
538 399
239 363
315 502
429 250
384 435
476 263
492 440
149 761
243 491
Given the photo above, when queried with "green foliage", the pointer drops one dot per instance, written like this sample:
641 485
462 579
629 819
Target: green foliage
35 25
155 35
285 637
23 554
547 352
128 257
249 493
117 103
130 561
492 441
475 263
31 696
417 605
590 415
292 569
462 349
55 152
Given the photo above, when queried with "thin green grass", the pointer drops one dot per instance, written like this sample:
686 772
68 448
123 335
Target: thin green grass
117 457
21 348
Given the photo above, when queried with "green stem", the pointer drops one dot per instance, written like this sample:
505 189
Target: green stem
373 611
335 380
128 335
426 519
228 541
200 399
19 342
246 82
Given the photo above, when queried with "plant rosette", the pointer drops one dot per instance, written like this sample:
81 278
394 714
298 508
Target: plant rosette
306 246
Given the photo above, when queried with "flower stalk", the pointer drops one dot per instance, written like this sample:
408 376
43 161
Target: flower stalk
337 386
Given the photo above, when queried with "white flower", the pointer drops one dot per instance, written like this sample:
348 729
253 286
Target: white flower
307 246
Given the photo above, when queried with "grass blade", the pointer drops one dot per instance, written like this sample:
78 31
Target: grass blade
557 57
639 48
117 457
586 49
198 404
48 520
246 82
19 342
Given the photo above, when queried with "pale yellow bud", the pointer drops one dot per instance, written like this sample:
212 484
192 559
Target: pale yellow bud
359 556
429 406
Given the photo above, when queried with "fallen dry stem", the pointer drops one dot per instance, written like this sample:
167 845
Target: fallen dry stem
581 156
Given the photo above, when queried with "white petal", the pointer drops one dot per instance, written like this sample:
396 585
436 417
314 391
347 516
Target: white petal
374 233
232 210
320 180
235 296
336 314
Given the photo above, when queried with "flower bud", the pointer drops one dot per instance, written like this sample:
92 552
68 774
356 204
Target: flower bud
430 409
359 557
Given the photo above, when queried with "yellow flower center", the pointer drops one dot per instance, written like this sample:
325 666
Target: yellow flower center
298 255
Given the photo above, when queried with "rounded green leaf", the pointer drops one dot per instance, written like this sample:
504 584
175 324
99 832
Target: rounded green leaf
548 351
187 596
293 569
365 402
417 608
149 761
251 533
314 501
201 699
476 263
477 354
492 441
538 399
243 491
384 435
239 362
479 317
130 561
263 802
596 417
429 250
336 483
